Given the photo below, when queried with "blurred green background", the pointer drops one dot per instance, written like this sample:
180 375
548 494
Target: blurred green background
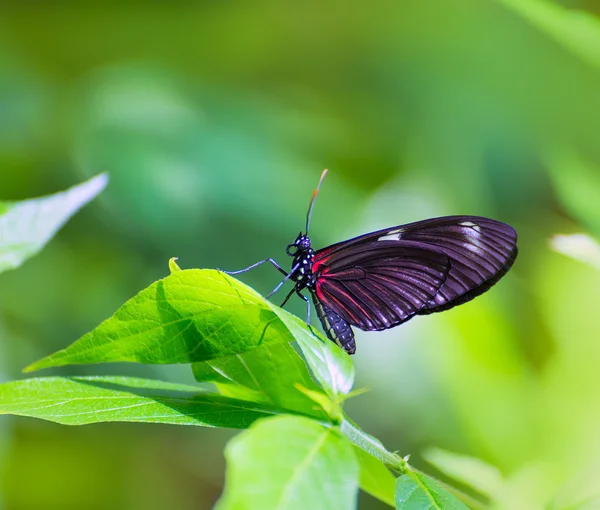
214 121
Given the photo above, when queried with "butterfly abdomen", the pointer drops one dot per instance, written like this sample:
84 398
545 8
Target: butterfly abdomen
335 327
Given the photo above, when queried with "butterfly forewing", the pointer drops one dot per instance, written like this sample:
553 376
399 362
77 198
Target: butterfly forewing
384 278
481 251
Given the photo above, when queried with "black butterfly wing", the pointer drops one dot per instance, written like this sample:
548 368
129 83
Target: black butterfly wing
376 285
479 251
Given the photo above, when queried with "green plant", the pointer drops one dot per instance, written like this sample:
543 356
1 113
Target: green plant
300 449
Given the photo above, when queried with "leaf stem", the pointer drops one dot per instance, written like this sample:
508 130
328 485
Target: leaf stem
372 446
395 462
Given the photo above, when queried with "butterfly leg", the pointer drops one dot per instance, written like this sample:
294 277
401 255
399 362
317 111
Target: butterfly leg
280 284
275 265
287 297
307 306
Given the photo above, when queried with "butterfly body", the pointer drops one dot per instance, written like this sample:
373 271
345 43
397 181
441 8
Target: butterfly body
304 277
302 273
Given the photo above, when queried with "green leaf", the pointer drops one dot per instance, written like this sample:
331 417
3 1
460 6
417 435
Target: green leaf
84 400
191 315
323 400
589 504
415 491
375 477
578 31
330 364
483 477
371 445
577 184
201 315
290 463
579 247
26 226
270 372
423 494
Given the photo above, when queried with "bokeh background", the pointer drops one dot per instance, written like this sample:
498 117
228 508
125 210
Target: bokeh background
214 121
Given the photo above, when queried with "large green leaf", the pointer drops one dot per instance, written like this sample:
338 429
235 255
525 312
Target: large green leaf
83 400
200 315
415 491
290 463
375 477
191 315
270 373
26 226
331 365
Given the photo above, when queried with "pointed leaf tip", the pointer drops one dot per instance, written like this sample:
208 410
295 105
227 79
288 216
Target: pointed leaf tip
173 267
416 491
27 225
191 315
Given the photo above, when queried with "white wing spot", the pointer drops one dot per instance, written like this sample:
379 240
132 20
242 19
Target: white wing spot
474 226
390 237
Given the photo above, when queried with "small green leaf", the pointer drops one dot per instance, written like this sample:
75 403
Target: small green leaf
290 463
331 365
26 226
576 30
84 400
319 398
191 315
577 184
375 477
482 477
415 491
579 247
589 504
371 445
270 371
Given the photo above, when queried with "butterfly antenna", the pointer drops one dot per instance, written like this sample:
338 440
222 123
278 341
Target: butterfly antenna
312 200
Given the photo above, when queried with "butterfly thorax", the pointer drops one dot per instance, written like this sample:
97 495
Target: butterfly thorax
303 255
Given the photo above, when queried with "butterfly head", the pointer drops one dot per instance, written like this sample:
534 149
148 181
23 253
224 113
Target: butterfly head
299 246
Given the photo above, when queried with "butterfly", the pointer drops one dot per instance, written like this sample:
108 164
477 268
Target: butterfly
384 278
